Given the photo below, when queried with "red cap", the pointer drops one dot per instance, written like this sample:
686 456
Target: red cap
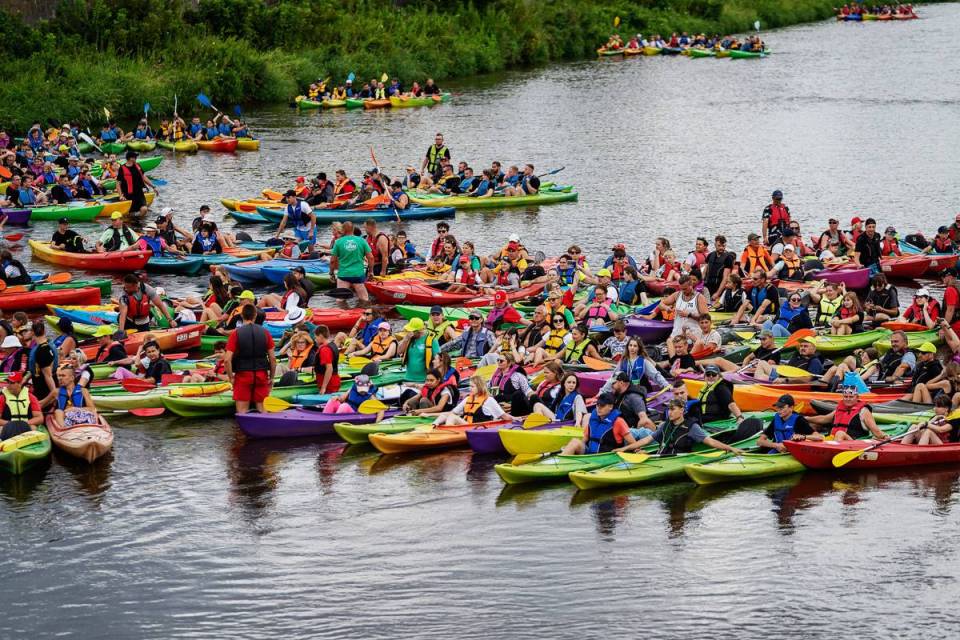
301 179
619 247
499 297
855 220
16 376
464 259
512 246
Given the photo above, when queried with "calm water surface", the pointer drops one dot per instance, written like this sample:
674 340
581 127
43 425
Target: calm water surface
190 531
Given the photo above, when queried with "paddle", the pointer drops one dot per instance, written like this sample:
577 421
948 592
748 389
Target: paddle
845 457
5 173
205 101
596 364
136 385
486 372
633 458
269 194
552 173
358 361
13 237
792 372
535 420
90 141
274 405
142 413
371 406
386 187
61 277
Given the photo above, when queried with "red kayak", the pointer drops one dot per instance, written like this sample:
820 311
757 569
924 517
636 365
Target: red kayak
907 267
227 145
940 261
335 319
419 293
819 455
40 299
129 260
182 338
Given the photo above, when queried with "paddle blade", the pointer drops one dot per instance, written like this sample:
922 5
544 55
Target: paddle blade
463 363
269 194
204 100
527 458
744 335
148 412
237 110
596 364
3 285
797 336
792 372
136 385
486 372
60 278
5 173
845 457
535 420
384 77
633 458
13 237
358 362
371 406
273 405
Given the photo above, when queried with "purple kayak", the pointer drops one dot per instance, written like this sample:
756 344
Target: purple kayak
296 423
853 278
650 331
16 217
486 440
592 381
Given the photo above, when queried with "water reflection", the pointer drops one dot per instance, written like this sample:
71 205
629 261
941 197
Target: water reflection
92 479
20 489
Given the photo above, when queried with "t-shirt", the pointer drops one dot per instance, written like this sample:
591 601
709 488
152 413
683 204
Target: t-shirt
763 353
800 427
113 353
712 338
868 249
69 239
156 370
43 358
324 360
350 252
952 297
885 298
685 361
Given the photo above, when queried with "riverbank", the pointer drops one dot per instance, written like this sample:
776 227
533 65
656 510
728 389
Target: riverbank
83 60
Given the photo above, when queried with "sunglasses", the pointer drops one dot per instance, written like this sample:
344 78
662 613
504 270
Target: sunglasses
710 374
574 253
501 360
794 299
558 322
476 318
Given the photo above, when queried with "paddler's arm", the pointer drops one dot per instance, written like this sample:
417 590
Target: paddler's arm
866 419
826 419
716 444
632 444
162 306
283 223
763 306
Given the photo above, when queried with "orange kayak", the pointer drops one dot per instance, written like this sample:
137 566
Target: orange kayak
760 397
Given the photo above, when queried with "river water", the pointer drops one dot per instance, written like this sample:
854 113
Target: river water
188 530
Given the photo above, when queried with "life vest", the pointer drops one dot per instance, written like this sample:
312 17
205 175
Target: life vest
943 245
434 394
380 94
211 133
783 429
567 276
103 352
473 409
554 341
502 383
794 269
637 369
154 244
75 398
297 358
137 308
666 312
16 407
597 440
598 312
844 415
503 276
287 250
754 258
779 216
699 259
550 311
207 243
26 196
576 351
434 153
787 314
22 277
295 214
828 309
436 332
251 353
466 276
889 362
343 188
379 346
313 93
141 134
707 400
563 409
372 243
544 388
677 439
889 247
165 132
114 243
355 398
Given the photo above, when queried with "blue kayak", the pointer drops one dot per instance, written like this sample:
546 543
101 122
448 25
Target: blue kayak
248 218
162 264
327 216
275 274
252 271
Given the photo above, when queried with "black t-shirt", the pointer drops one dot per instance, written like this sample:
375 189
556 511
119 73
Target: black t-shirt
885 299
686 361
69 239
309 288
801 428
534 182
43 357
715 264
868 249
767 354
156 370
532 272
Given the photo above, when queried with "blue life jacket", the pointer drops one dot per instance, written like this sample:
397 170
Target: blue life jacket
565 408
512 180
154 244
225 129
141 134
88 186
482 188
787 314
369 333
628 291
242 133
36 143
211 132
208 243
599 428
27 197
783 431
73 172
637 370
49 177
355 398
295 214
195 128
757 295
76 398
465 184
110 135
567 275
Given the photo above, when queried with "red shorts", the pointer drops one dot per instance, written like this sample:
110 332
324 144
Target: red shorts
251 386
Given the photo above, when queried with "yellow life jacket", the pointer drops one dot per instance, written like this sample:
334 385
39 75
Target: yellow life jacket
576 351
18 405
379 347
554 342
473 405
828 309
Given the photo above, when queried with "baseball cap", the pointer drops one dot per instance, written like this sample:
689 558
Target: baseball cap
301 179
500 297
464 259
10 342
362 380
890 231
621 376
103 330
415 324
116 215
16 376
786 400
788 232
711 368
290 192
63 221
788 247
514 237
619 247
166 211
383 325
246 294
943 229
604 272
606 399
855 220
513 244
150 227
777 194
475 315
922 291
299 269
436 309
753 236
927 347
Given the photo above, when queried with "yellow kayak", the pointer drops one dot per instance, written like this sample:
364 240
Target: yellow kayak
517 441
122 206
248 144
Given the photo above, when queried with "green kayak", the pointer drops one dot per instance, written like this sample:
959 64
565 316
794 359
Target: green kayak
17 461
112 147
748 54
701 53
82 213
120 399
303 103
142 145
354 103
360 433
147 164
104 284
222 404
323 280
914 340
493 202
838 344
411 311
183 146
749 466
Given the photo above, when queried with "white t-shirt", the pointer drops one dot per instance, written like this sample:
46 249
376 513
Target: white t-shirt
490 407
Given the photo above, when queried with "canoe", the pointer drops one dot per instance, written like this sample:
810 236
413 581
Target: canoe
141 146
16 217
419 293
908 267
760 397
85 441
411 101
374 104
249 218
354 103
80 213
147 164
183 146
701 53
939 262
112 147
298 423
650 331
435 438
518 441
914 340
651 51
248 144
853 278
188 266
750 466
819 455
304 103
224 145
105 285
654 469
328 216
736 53
355 433
124 261
28 300
333 104
464 202
36 450
250 271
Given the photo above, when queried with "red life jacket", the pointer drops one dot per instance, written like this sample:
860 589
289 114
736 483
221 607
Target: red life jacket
138 308
544 388
503 277
698 258
467 277
942 245
778 215
435 393
102 353
889 247
287 250
844 415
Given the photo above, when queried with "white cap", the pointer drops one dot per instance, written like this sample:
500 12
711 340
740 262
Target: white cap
10 342
788 246
295 315
166 211
514 237
922 291
383 325
150 227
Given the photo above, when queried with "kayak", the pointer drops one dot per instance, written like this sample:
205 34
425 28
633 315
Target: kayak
119 399
147 164
750 466
419 293
85 441
375 104
602 51
222 404
182 338
105 285
701 53
465 202
486 439
124 261
411 311
183 146
852 278
225 145
249 218
445 437
354 103
336 319
526 441
304 103
248 144
412 101
819 455
651 51
323 280
298 423
162 264
250 205
27 450
141 145
650 331
112 147
333 104
914 340
908 267
28 300
897 407
653 469
355 433
852 342
760 397
554 467
250 271
16 217
389 214
736 53
81 213
939 262
114 203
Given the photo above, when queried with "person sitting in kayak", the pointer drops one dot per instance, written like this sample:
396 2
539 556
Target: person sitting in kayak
14 272
436 396
603 430
851 420
766 352
755 256
882 303
74 406
849 318
529 184
349 402
477 406
599 312
828 296
196 128
786 425
925 309
763 301
927 371
155 245
937 430
834 239
678 434
581 346
210 131
19 409
806 358
709 339
634 43
383 346
205 242
135 302
889 245
111 133
430 88
554 342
